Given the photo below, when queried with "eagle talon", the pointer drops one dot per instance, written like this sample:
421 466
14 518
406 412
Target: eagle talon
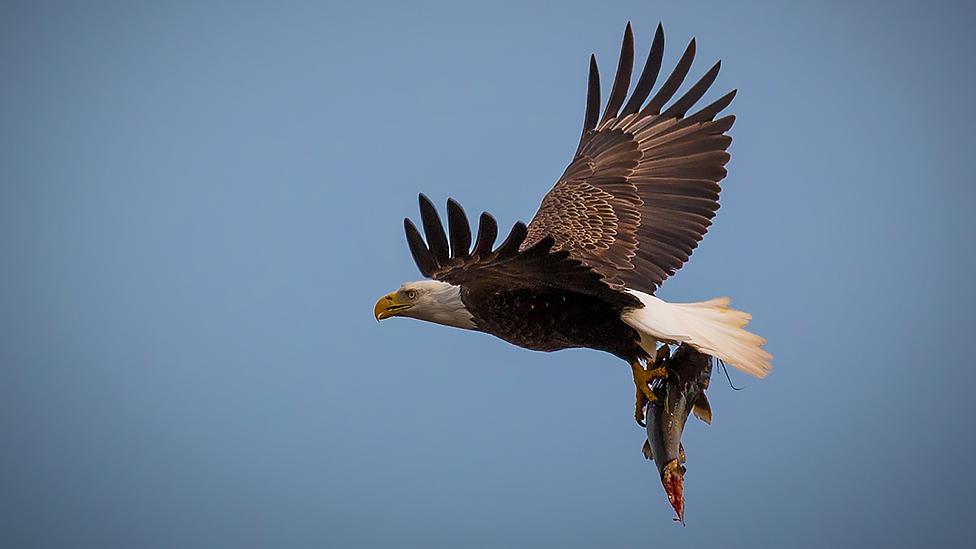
639 408
645 394
657 373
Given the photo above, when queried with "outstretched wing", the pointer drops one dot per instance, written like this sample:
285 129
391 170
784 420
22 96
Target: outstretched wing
510 265
644 185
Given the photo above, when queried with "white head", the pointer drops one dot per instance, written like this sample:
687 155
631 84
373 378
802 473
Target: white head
430 300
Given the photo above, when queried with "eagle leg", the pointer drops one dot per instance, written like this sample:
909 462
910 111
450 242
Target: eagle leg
642 381
639 405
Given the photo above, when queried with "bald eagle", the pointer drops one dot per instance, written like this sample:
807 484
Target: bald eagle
635 201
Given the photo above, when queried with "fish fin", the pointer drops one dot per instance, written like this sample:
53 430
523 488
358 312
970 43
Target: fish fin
646 450
681 453
702 409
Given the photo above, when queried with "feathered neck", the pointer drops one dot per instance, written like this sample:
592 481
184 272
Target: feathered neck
441 303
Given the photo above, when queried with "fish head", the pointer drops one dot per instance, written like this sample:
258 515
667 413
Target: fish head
673 479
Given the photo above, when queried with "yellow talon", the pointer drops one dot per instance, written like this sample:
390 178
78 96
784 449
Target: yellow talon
655 373
642 381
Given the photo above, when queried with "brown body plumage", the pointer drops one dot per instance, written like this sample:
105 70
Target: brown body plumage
553 320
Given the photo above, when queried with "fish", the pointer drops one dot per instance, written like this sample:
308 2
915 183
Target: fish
681 393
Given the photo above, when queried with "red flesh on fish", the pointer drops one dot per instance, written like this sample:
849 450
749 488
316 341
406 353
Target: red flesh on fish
673 479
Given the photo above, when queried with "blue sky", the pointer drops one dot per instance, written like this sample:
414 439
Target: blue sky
199 206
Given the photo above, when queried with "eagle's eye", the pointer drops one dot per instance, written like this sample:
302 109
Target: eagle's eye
411 294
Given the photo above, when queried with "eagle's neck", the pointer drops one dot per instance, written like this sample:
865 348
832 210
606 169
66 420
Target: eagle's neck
443 305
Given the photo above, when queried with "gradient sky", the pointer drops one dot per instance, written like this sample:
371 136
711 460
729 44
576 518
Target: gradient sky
199 206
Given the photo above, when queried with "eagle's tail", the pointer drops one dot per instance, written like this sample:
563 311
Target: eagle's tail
710 326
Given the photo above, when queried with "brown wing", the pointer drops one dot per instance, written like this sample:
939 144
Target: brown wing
510 265
644 185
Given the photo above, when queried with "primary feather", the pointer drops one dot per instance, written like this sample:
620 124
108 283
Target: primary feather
643 187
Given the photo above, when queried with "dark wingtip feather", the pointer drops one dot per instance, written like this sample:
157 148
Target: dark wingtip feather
540 248
674 81
688 100
621 81
434 230
487 233
511 244
652 67
710 111
722 125
421 255
592 97
460 231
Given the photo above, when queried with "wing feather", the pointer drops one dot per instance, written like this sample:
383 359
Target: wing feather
510 265
648 77
625 65
688 100
457 224
433 230
592 98
487 233
673 82
421 254
643 187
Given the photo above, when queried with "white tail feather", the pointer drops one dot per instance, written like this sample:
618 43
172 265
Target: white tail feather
709 326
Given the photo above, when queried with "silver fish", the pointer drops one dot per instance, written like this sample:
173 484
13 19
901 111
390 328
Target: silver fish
678 395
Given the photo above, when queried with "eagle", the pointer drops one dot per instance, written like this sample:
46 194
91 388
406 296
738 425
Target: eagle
635 201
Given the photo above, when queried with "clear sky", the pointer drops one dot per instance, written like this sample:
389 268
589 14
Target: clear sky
199 206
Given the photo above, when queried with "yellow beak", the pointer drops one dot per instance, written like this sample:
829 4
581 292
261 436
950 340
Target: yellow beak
388 306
